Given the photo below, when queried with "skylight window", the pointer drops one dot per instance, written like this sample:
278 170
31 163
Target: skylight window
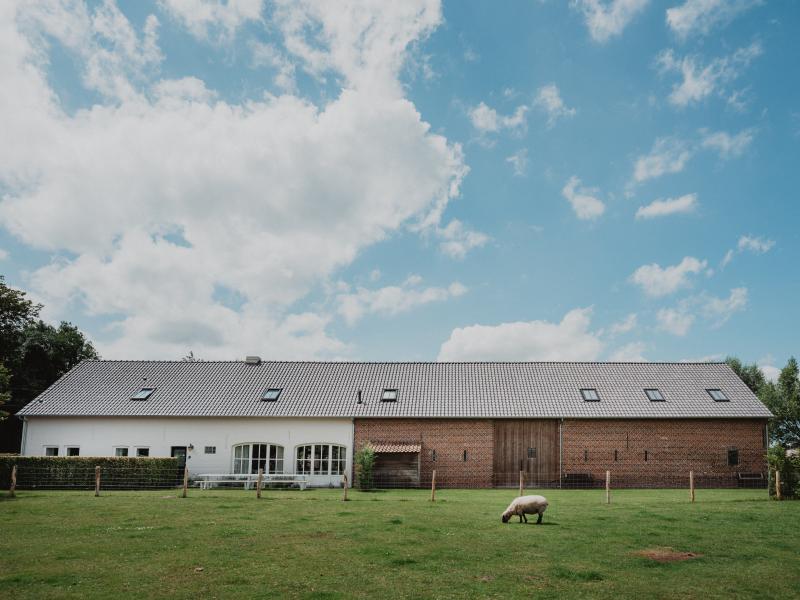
718 395
389 395
654 395
143 394
590 395
271 394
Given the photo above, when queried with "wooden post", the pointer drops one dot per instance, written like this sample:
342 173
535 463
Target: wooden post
608 487
97 480
12 490
521 483
259 481
433 486
344 493
691 485
185 480
777 484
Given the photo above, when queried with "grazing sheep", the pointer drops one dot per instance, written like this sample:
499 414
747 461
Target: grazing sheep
532 505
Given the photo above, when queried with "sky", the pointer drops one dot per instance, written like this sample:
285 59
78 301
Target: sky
361 180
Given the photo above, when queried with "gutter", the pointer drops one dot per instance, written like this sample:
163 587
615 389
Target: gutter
560 450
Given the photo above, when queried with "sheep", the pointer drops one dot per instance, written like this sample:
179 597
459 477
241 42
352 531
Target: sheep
532 505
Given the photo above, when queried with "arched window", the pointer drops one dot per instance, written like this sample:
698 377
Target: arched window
249 458
320 459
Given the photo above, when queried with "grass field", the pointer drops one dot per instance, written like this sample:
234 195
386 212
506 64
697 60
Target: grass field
227 544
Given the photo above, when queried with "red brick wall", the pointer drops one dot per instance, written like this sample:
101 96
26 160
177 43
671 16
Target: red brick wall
674 447
448 437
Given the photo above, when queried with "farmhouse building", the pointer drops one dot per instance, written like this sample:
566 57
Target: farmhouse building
477 424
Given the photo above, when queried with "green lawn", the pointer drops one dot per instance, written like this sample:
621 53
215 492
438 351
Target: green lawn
395 544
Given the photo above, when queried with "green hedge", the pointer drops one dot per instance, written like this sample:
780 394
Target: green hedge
789 466
77 472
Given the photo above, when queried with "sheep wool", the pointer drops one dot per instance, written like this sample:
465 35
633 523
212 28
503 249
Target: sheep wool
531 505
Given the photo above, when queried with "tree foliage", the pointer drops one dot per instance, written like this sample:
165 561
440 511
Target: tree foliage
365 464
750 374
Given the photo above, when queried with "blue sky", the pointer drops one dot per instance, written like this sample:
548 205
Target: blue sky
526 181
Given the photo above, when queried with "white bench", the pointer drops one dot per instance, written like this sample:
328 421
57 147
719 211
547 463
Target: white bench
248 480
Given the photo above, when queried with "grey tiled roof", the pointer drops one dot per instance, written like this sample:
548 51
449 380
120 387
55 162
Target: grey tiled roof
425 389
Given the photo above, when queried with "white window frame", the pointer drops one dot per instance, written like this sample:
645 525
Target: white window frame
66 449
280 462
127 451
313 460
49 447
136 451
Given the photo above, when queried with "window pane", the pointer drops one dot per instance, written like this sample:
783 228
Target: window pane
73 451
321 455
276 459
51 451
121 452
303 465
143 452
338 459
241 458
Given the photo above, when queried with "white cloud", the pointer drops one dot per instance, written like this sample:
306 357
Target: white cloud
627 325
457 239
771 372
392 300
571 339
728 146
701 80
583 201
670 206
519 162
632 352
267 198
674 321
486 119
3 254
607 19
719 310
754 244
209 18
701 16
656 281
668 155
268 55
549 100
728 258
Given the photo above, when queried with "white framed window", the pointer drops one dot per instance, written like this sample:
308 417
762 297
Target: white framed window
249 458
73 451
51 450
121 451
320 459
142 451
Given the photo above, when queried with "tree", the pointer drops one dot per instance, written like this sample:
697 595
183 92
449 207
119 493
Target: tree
783 399
750 374
16 312
5 395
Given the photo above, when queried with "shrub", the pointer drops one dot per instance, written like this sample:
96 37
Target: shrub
789 468
365 463
77 472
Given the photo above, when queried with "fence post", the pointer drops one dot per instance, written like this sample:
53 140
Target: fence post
259 481
12 490
691 485
521 483
608 487
433 486
185 480
778 484
97 480
344 493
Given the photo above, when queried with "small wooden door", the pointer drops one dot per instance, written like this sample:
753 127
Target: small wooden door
528 445
179 452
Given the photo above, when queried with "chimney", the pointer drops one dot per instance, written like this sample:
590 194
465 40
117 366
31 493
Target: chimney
252 360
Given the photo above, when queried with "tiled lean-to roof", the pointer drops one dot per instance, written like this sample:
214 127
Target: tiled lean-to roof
424 389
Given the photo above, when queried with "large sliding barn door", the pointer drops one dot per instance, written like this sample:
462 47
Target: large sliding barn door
529 445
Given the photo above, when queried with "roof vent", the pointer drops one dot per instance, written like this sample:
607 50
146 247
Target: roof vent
252 360
359 401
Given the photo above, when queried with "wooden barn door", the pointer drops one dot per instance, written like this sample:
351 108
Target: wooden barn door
529 445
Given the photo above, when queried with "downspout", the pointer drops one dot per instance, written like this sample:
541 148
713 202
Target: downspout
560 451
352 468
24 435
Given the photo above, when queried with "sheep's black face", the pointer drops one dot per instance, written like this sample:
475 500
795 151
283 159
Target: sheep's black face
505 518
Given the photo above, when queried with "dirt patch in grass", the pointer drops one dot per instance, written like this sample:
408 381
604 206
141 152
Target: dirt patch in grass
666 555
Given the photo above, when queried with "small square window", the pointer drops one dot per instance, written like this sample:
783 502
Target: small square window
271 394
121 451
717 395
211 450
465 456
733 457
143 452
531 452
590 395
389 395
143 394
73 451
654 395
51 451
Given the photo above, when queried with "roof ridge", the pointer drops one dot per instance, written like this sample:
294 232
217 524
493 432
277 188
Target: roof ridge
419 362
